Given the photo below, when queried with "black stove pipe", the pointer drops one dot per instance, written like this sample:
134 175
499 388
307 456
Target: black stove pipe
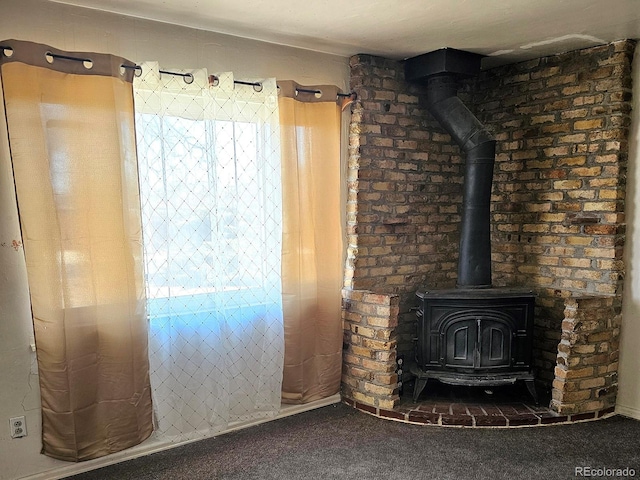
474 263
440 71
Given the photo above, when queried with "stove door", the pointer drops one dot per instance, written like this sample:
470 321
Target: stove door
460 343
477 340
495 344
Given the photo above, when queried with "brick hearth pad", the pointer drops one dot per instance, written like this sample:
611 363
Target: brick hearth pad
446 405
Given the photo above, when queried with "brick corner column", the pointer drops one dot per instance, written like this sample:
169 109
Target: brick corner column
586 374
369 355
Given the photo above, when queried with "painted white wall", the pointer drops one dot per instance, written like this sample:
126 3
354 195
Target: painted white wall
629 380
75 29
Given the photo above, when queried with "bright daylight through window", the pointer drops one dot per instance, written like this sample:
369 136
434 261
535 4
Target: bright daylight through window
202 218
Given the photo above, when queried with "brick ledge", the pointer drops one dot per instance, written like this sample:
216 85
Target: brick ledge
474 420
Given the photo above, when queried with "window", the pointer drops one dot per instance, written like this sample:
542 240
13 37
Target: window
202 214
211 210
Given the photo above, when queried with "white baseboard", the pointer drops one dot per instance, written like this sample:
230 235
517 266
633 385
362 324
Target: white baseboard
628 411
154 445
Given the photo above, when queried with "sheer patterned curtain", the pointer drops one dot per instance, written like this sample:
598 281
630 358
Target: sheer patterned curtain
310 121
209 159
71 132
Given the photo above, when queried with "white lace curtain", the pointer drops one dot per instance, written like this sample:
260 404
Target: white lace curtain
209 161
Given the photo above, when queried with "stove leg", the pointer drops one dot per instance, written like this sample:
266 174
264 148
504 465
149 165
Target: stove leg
531 386
419 386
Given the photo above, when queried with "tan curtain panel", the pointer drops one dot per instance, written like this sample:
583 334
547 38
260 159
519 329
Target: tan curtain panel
71 133
312 243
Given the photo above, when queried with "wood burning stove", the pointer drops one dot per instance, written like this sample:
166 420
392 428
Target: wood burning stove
474 337
475 334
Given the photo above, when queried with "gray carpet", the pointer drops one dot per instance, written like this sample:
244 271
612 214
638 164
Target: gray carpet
338 442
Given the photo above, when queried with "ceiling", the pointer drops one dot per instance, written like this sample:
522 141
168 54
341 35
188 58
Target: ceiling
504 30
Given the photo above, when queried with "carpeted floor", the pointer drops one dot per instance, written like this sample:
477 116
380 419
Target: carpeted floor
338 442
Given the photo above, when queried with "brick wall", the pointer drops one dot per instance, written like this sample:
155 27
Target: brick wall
404 192
586 376
369 360
561 125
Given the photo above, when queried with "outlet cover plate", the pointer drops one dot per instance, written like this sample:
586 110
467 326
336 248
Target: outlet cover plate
18 427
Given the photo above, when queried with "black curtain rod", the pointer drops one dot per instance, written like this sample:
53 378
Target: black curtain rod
55 55
307 90
67 57
188 77
214 81
251 84
256 85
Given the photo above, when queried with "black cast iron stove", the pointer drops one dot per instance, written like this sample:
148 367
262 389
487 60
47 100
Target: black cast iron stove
474 337
474 334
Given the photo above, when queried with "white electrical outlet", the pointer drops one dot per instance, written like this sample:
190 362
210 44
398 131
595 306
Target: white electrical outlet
18 427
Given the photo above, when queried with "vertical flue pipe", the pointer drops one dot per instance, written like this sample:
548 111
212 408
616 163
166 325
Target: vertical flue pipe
474 263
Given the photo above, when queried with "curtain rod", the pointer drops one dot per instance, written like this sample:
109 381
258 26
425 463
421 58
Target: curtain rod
188 77
54 55
214 80
319 92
